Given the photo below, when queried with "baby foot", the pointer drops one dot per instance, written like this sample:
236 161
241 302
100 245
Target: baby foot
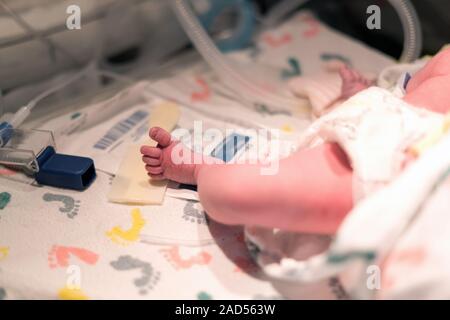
352 82
159 163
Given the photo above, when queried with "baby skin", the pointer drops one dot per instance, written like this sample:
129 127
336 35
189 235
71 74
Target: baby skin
312 191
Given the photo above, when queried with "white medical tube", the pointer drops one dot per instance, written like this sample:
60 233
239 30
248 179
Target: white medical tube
19 117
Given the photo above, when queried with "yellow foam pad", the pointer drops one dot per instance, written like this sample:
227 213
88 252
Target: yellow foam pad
132 185
431 138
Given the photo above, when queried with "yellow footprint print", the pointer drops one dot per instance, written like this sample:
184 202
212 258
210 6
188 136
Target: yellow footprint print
126 237
287 128
67 293
4 251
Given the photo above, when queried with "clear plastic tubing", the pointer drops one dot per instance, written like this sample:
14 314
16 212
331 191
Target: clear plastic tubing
412 47
19 117
229 73
224 68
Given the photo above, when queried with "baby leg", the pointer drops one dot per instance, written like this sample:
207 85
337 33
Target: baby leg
311 192
352 82
432 94
438 66
325 90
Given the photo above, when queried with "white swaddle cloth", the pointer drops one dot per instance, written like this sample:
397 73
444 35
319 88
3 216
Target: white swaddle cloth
374 128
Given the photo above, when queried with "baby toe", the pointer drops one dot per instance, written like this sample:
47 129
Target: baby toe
153 152
156 176
161 136
154 170
151 161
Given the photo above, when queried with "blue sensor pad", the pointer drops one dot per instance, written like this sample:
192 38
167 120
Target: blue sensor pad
230 146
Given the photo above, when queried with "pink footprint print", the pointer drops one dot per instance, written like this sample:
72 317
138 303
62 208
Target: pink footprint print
409 257
7 172
313 27
203 94
173 255
277 41
59 256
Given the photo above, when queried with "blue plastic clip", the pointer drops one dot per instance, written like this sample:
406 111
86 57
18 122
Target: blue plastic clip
64 171
5 133
406 80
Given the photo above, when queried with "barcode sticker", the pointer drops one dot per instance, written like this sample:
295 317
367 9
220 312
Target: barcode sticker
120 129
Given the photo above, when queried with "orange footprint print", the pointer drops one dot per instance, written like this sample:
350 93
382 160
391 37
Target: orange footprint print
173 255
313 27
7 172
59 256
277 41
412 257
204 93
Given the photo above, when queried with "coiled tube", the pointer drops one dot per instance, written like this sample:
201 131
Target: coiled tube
412 47
250 91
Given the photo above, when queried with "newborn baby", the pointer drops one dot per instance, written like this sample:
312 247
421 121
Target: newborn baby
314 188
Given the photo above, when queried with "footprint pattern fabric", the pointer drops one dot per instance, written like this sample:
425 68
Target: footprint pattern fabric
131 235
56 237
193 214
59 256
148 277
67 205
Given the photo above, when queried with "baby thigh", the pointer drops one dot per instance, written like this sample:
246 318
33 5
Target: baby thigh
311 192
436 67
432 94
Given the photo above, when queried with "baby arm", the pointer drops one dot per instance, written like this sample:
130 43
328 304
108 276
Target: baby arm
311 192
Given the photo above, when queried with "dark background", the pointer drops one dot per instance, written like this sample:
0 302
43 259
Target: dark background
350 17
